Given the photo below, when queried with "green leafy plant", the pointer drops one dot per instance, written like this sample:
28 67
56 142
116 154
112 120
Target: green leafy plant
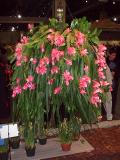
29 137
65 132
4 148
76 125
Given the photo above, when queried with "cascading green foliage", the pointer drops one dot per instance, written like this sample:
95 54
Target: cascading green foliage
55 55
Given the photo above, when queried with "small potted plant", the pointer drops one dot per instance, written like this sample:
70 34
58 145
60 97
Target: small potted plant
4 151
42 136
76 127
15 142
65 135
30 142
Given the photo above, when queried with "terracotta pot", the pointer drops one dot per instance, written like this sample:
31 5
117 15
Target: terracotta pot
66 147
30 152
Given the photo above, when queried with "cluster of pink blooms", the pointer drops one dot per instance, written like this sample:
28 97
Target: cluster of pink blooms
68 62
67 77
80 38
51 81
56 55
28 85
18 51
95 98
16 90
71 51
54 70
30 27
42 66
101 62
56 39
57 90
83 52
83 83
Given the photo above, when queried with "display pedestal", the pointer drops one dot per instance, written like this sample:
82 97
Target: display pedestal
52 149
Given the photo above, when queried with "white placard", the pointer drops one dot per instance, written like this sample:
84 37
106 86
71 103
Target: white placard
7 131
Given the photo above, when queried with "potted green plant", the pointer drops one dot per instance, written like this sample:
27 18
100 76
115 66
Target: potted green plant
42 136
65 135
4 151
29 142
76 127
15 142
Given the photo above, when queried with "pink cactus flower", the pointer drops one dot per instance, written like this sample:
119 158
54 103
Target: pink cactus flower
54 70
68 62
95 99
84 52
67 77
33 60
86 68
42 48
71 51
25 58
51 37
80 38
18 80
24 40
41 70
96 84
16 90
18 63
51 81
82 91
30 78
57 90
84 81
59 40
30 27
56 55
104 83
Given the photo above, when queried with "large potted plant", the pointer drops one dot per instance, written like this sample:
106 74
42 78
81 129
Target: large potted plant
76 127
29 141
4 151
43 136
59 64
15 142
65 135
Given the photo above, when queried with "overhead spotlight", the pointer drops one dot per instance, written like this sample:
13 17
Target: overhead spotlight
13 29
113 2
86 1
19 16
97 20
115 19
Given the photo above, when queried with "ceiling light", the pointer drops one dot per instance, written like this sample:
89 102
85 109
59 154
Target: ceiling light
13 29
113 2
86 1
19 16
115 19
97 20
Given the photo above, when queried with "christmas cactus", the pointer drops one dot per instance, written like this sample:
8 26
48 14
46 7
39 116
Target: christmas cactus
59 64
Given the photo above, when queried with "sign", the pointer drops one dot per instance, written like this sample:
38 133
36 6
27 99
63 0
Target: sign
8 131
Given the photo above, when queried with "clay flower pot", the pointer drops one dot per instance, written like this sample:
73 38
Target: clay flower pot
66 147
